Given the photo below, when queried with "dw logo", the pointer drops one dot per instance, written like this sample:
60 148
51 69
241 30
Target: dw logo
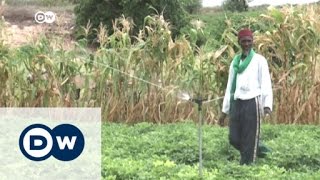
38 142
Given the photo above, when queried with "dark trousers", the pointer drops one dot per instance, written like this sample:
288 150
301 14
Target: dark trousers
244 128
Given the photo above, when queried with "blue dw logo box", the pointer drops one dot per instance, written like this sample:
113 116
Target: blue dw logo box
38 142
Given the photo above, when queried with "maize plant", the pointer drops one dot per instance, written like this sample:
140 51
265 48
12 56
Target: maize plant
137 78
291 44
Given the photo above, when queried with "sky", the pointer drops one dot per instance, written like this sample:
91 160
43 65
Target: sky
210 3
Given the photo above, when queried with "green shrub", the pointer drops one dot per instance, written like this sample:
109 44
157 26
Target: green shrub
235 5
105 11
41 2
191 6
217 23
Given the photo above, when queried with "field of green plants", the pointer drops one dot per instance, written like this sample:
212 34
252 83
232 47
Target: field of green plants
170 151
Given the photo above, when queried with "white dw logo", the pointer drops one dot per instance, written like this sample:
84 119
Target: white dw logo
45 17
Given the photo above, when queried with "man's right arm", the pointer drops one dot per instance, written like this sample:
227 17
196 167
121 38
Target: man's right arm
226 99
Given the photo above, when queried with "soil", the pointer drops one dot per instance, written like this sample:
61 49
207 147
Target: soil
20 26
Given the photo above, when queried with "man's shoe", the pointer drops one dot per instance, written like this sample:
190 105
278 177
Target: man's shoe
263 150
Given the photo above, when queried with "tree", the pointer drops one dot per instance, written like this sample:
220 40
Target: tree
106 11
236 5
191 6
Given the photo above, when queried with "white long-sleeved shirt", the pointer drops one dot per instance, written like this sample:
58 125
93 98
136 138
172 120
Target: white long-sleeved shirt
252 82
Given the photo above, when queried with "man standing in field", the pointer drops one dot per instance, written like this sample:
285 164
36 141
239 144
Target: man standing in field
248 96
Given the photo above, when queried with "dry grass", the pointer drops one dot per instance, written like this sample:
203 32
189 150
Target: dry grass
293 50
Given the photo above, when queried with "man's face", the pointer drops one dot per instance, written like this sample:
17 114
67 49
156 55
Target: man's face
246 44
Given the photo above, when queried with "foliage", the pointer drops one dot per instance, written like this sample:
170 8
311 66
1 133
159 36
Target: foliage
101 11
191 6
148 151
41 2
217 23
235 5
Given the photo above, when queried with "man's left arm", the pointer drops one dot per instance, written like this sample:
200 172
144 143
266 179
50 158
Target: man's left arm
266 87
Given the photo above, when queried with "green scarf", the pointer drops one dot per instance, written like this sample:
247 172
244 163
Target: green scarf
239 69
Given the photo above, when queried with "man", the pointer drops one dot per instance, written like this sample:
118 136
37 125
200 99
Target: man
248 96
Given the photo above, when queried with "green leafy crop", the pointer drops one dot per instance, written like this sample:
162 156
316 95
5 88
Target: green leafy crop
149 151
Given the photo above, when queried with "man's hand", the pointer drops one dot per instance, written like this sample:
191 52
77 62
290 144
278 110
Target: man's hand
267 111
221 119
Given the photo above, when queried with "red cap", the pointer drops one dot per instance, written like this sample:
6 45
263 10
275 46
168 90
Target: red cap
245 32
